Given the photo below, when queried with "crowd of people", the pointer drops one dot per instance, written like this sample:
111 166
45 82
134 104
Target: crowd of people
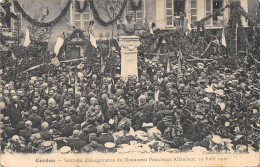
206 107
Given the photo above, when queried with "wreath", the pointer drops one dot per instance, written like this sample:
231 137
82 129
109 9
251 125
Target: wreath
77 6
136 7
101 21
41 24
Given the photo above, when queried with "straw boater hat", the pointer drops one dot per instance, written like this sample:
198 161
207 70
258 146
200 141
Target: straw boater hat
110 145
80 66
65 150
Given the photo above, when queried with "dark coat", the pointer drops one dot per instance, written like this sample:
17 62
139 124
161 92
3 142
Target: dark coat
67 130
36 120
14 113
104 138
20 126
26 134
9 131
96 146
77 144
76 119
45 135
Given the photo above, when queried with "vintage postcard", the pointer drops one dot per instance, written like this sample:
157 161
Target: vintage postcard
129 83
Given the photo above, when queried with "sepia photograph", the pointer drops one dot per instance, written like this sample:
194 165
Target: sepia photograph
129 83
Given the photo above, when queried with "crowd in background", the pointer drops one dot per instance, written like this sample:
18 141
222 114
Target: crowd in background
207 107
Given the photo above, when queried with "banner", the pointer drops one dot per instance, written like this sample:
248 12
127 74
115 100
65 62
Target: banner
223 39
58 45
27 40
180 58
168 65
92 38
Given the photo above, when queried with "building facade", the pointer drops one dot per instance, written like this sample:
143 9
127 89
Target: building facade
166 14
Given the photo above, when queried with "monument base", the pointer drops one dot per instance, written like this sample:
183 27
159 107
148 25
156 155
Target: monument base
129 61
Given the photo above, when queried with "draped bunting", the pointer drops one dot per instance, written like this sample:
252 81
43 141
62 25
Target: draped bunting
41 24
77 6
101 21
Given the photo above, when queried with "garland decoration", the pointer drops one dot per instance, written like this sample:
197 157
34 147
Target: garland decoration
101 21
136 7
77 6
41 24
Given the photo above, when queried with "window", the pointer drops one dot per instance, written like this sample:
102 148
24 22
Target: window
19 15
81 20
174 12
211 7
169 13
209 11
193 10
137 15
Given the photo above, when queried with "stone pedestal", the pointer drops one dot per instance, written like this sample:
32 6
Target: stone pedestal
129 51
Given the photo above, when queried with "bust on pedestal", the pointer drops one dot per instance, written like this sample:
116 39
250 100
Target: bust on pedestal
129 43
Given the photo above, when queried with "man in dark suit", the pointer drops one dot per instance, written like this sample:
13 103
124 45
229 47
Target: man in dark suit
21 124
24 100
158 93
152 70
105 137
14 111
75 119
67 128
76 143
93 144
27 132
55 123
36 119
9 131
148 85
45 135
138 91
111 111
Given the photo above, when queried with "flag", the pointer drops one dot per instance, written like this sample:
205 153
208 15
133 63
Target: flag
223 39
151 27
168 65
180 57
58 45
102 64
27 40
92 38
188 30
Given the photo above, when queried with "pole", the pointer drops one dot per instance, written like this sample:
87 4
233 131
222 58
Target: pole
236 46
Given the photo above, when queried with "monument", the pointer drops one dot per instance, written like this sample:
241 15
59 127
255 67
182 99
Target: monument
129 43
